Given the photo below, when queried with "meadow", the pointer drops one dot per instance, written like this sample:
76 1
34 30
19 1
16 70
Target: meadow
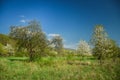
58 68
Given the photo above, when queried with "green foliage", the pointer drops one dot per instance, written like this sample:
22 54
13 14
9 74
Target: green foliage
21 54
30 43
31 38
10 50
51 52
112 49
98 40
3 51
4 39
6 45
57 43
103 46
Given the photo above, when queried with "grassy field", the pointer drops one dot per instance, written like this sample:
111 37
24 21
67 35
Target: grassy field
57 68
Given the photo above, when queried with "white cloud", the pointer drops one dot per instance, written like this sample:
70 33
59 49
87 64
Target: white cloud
23 21
52 35
71 46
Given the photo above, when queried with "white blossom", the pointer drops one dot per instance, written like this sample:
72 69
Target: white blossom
84 48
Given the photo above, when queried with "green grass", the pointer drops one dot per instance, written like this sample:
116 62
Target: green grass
57 68
15 58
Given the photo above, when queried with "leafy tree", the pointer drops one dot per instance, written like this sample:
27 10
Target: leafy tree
31 38
57 43
84 48
112 49
99 38
103 46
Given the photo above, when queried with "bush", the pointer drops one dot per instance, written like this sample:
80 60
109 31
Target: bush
3 52
21 54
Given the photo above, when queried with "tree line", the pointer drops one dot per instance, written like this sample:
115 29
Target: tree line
32 41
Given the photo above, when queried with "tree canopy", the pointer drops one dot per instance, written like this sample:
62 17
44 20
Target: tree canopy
103 46
31 38
83 48
57 42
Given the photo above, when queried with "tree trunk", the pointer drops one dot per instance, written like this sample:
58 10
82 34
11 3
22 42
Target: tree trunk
31 55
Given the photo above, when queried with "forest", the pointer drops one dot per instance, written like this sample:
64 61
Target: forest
27 54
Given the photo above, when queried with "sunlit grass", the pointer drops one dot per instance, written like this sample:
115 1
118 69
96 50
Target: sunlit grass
56 68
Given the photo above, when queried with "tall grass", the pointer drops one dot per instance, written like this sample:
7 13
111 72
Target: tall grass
57 68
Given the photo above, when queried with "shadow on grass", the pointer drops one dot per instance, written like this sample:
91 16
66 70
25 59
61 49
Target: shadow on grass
18 58
91 58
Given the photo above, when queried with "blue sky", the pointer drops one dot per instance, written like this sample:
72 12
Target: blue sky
74 20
